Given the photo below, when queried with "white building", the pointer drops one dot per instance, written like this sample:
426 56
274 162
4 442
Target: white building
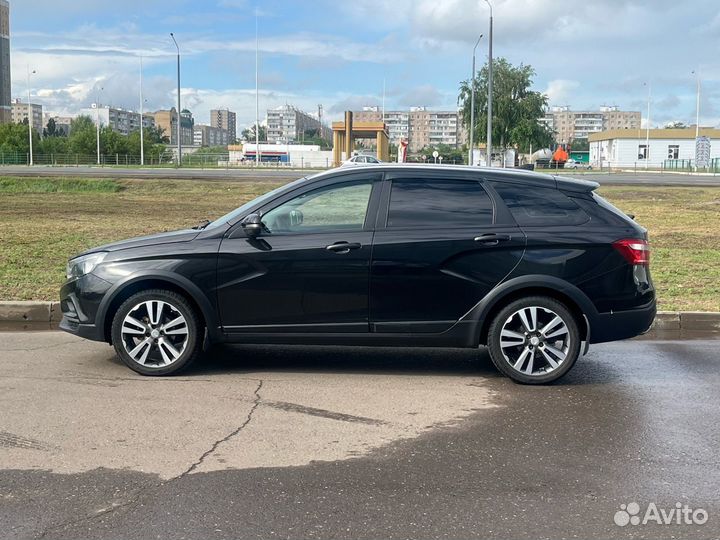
628 147
286 124
121 120
204 135
289 155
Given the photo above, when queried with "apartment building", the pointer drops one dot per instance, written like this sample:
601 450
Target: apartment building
122 121
286 124
19 113
569 125
62 123
419 126
204 135
225 119
167 120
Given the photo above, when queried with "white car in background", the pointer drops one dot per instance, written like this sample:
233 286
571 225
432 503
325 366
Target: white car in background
361 159
572 164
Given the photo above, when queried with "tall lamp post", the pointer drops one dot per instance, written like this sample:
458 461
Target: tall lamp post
179 117
647 127
30 116
257 93
97 122
472 103
490 88
142 116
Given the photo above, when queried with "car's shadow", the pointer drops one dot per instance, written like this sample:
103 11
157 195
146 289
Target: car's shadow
419 361
335 359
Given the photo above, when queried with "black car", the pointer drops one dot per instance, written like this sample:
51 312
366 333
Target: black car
533 266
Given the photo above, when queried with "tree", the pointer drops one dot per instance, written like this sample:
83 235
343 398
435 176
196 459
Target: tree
51 130
248 134
580 145
448 153
14 139
676 125
516 108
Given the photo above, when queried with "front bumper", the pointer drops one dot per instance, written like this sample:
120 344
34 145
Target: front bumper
80 300
619 325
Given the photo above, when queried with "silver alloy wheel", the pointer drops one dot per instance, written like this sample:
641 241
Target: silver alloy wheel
155 333
535 340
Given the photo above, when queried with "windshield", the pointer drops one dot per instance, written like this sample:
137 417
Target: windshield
238 212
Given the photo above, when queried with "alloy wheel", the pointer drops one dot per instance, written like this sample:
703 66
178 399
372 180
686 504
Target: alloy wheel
155 333
535 341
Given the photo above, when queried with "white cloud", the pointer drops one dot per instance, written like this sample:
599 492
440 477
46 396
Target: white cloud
561 91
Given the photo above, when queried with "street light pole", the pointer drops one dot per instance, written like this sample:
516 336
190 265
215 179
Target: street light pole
257 93
179 116
30 117
97 122
647 128
490 88
472 103
142 117
697 106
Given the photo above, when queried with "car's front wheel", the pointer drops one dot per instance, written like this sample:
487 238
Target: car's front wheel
157 332
534 340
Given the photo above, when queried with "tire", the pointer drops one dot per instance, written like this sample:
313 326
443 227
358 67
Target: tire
157 332
534 350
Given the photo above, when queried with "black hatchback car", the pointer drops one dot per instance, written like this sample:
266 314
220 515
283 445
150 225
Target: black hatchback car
533 266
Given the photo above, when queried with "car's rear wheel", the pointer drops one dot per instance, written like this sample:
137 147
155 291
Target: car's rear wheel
157 332
534 340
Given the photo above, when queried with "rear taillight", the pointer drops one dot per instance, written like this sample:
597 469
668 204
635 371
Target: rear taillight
635 251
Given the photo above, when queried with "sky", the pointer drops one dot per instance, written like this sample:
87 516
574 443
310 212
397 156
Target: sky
585 53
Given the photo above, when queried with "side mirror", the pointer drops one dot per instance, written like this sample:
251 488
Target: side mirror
252 225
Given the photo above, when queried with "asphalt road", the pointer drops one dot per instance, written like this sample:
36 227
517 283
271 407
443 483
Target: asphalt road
280 175
303 442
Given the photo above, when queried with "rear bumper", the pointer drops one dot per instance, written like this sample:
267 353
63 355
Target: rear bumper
619 325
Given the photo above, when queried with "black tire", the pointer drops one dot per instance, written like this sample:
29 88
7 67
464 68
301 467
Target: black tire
162 348
548 309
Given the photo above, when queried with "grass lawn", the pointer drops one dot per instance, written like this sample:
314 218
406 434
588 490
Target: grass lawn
44 221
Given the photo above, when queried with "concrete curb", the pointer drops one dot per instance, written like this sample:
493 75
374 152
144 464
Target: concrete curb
668 324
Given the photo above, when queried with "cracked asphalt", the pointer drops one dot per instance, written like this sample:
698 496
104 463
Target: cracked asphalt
332 442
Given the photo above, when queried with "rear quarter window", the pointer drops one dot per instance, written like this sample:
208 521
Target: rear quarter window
536 206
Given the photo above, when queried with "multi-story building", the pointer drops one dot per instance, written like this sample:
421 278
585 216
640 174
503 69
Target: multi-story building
5 86
20 112
120 120
62 123
419 126
210 136
286 124
167 122
571 125
225 119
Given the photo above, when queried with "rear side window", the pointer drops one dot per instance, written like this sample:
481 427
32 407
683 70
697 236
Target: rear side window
442 203
535 206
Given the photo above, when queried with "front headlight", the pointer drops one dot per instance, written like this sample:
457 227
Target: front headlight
79 266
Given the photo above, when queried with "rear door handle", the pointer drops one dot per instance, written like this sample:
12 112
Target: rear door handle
492 239
343 247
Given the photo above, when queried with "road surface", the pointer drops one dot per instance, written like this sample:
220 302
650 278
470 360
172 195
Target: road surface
280 175
329 442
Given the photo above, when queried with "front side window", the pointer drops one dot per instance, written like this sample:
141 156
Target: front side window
439 203
332 208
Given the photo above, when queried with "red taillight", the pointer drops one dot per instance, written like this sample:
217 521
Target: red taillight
635 250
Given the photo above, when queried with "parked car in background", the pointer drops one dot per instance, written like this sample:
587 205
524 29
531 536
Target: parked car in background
572 164
532 266
361 159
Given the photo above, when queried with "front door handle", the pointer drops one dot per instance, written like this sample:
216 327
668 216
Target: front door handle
492 239
343 247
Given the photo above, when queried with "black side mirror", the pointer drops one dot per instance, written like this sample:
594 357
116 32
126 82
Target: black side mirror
252 225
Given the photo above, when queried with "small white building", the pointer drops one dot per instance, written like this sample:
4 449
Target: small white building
628 148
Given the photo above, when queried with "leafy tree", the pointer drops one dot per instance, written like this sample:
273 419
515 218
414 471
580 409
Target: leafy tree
248 134
82 140
516 108
448 153
51 129
676 125
14 139
580 145
53 145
